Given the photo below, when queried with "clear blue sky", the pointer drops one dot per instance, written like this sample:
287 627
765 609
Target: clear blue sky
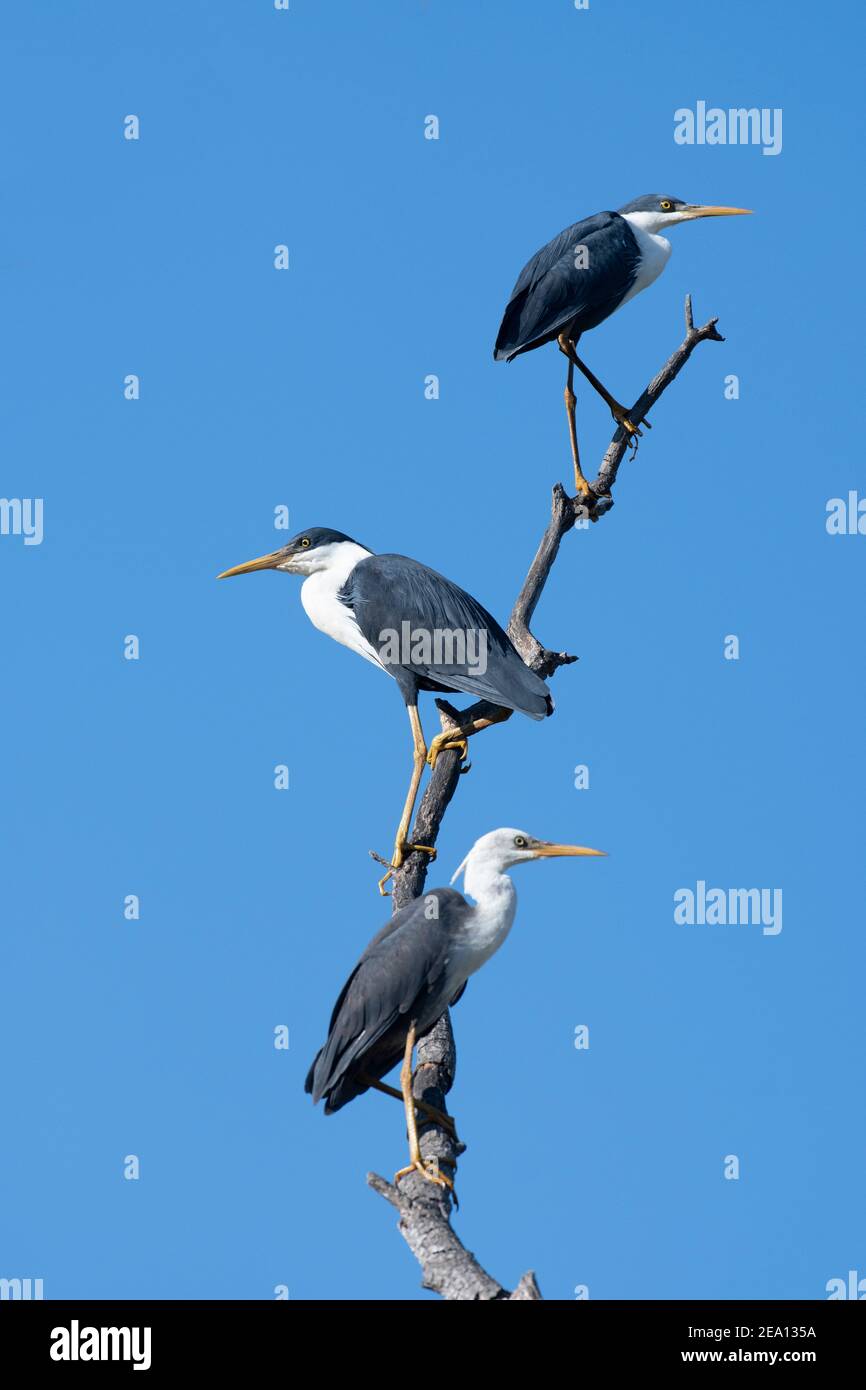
305 388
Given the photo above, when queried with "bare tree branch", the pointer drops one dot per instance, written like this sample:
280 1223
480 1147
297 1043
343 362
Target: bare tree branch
448 1268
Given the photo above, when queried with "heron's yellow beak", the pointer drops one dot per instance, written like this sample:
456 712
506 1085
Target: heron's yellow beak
712 211
264 562
545 851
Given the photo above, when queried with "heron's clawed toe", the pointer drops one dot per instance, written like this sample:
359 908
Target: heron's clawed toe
430 1115
431 1171
634 432
422 849
401 849
442 743
628 425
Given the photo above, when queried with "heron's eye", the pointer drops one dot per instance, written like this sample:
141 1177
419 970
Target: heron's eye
666 205
519 842
305 541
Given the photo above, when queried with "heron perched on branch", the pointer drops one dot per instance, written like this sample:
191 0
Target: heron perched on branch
413 969
416 626
580 278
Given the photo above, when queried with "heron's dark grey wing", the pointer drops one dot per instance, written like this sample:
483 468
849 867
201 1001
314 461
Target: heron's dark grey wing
552 290
474 654
549 256
400 973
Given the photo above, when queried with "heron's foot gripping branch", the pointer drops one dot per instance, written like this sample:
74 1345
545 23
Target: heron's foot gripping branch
457 737
429 1169
444 742
622 415
402 850
400 855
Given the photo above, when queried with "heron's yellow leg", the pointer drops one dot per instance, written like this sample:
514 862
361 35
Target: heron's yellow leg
456 738
416 1163
619 412
445 1121
580 483
419 754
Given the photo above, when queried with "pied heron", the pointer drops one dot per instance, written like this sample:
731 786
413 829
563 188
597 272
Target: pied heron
410 973
581 277
416 626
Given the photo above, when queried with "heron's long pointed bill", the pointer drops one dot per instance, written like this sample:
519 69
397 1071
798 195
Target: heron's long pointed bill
558 851
264 562
712 211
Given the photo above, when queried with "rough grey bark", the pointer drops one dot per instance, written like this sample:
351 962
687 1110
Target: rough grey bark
447 1267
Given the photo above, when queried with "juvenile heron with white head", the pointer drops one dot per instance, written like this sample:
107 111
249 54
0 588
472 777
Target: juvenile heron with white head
413 970
417 626
584 275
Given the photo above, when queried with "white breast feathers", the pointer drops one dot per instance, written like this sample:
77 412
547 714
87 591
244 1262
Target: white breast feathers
654 253
326 611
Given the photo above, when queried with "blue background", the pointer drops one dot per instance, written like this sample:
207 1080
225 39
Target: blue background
305 388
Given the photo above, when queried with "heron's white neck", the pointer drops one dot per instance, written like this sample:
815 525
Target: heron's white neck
650 222
486 881
333 565
654 250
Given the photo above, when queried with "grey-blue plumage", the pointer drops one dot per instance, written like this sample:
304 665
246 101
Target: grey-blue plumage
386 591
557 293
401 976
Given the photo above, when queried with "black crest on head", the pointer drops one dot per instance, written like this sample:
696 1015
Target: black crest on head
317 536
654 202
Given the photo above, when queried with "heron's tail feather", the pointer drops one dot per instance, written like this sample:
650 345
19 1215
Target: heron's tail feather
311 1074
512 685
